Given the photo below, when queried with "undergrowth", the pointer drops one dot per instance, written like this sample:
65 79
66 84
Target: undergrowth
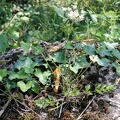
91 36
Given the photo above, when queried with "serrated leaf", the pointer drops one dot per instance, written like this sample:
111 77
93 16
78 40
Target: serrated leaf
89 49
42 76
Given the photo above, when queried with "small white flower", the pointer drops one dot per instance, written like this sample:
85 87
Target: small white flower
93 58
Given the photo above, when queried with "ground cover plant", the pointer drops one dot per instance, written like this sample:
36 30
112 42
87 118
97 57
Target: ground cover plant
47 49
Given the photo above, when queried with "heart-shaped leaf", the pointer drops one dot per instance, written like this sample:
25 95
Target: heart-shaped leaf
24 87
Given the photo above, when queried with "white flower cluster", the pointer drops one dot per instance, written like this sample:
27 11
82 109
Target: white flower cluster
73 14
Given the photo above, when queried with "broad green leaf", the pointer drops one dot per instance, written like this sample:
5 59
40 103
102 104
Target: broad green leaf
59 11
24 87
14 34
59 57
25 19
18 65
68 45
36 88
29 70
87 87
29 65
111 46
80 63
1 79
42 103
3 42
3 73
25 46
75 68
18 75
103 61
89 49
94 17
116 53
42 76
105 53
118 70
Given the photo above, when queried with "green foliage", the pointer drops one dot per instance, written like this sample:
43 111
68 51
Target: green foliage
3 74
104 88
78 21
45 102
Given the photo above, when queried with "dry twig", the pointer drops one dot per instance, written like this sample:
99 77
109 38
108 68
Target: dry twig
80 116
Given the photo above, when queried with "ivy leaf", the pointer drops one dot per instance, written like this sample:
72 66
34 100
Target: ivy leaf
118 70
29 65
36 88
42 103
59 57
25 46
89 49
24 87
18 65
17 75
111 46
103 61
105 53
116 53
68 45
3 73
42 76
80 63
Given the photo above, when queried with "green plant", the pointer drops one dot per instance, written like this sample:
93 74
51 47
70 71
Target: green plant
92 38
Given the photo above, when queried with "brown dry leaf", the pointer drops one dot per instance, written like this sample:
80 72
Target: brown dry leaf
56 48
57 72
89 41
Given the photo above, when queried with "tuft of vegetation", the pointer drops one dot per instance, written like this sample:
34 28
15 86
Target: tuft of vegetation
90 30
